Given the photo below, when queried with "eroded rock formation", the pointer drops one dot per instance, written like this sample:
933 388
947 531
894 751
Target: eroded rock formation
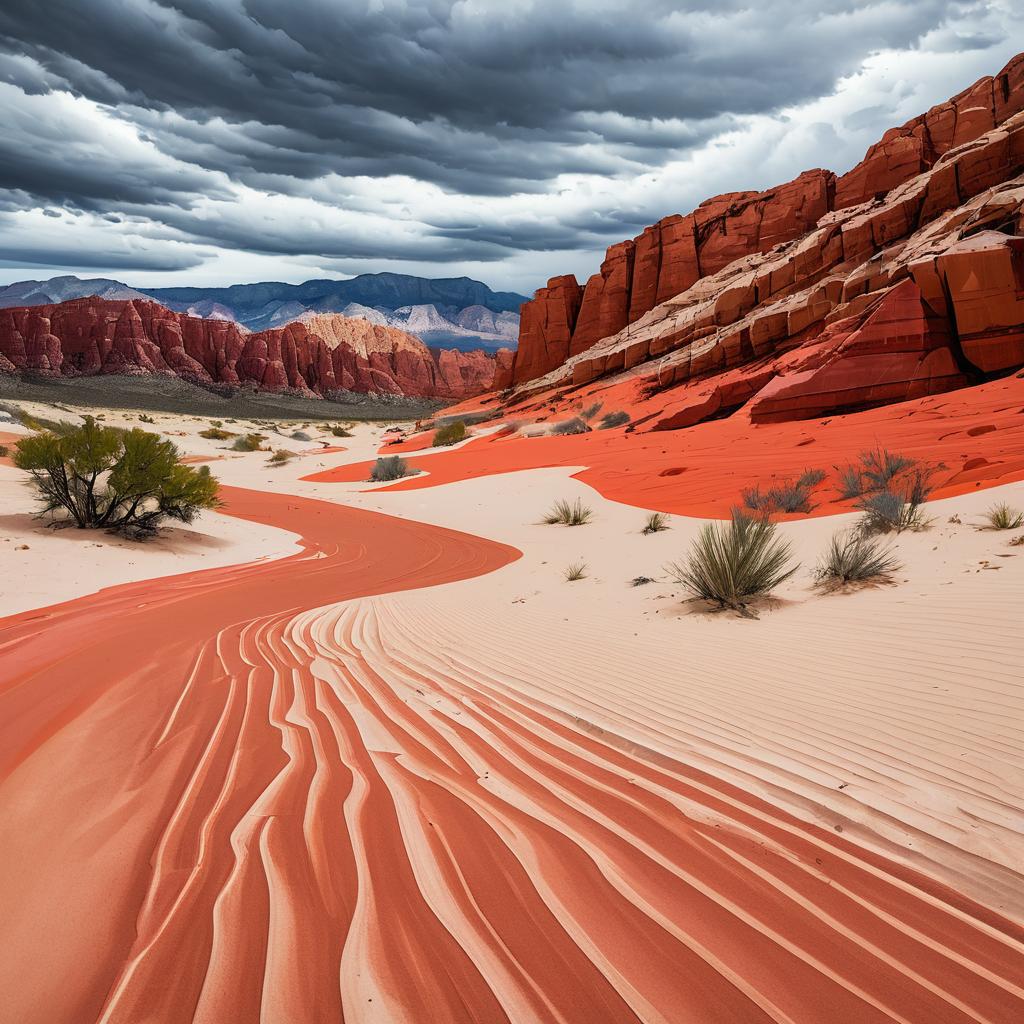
312 357
753 274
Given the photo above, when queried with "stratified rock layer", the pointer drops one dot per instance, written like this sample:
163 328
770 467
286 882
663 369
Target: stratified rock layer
749 275
311 357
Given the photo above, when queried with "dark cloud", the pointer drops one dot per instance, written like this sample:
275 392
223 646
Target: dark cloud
202 99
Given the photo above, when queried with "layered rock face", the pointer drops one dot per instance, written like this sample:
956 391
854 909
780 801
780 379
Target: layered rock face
813 227
312 357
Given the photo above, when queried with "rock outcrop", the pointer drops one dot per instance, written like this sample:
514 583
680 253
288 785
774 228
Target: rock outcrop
313 357
828 226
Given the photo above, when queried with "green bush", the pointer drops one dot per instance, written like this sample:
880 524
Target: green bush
656 522
102 477
249 443
564 513
880 467
730 563
1002 517
853 557
450 434
392 467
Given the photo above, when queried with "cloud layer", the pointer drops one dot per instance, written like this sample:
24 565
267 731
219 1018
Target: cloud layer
223 140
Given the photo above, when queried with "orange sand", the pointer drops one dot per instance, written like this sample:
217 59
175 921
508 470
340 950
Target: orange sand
974 437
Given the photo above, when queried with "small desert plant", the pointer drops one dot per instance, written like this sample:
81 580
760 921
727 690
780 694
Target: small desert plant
851 482
143 418
810 478
590 411
4 451
106 478
785 497
891 510
854 557
280 457
565 513
341 431
730 563
880 467
452 433
656 522
390 467
215 434
1017 541
576 571
248 443
576 425
1002 517
613 419
640 581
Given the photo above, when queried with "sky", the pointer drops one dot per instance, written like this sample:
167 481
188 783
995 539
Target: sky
211 142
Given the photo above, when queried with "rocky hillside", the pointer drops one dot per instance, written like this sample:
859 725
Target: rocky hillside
903 277
450 312
313 357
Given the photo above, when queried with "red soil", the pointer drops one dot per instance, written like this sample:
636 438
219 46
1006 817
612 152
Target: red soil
702 470
222 805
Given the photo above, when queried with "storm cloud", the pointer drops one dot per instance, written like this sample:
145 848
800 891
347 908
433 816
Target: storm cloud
437 134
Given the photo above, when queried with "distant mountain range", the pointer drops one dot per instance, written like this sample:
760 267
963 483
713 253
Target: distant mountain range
453 312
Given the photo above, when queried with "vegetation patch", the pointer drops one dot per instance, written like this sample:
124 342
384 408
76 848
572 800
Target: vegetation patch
390 467
575 571
656 522
735 562
897 509
450 434
249 443
613 419
577 425
104 478
1003 517
566 513
215 434
854 557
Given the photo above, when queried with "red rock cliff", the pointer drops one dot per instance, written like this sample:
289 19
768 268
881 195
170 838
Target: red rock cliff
669 257
312 357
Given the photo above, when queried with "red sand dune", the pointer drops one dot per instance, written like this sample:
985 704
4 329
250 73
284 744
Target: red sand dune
224 801
701 470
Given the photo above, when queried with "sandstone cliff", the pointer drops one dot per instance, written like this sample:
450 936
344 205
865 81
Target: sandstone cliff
750 273
311 357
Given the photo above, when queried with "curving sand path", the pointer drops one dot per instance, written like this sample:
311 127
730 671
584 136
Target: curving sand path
237 796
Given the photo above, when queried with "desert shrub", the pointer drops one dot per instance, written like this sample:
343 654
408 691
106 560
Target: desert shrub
4 451
576 425
301 435
590 411
280 457
730 563
390 467
102 477
784 497
341 432
613 419
880 467
565 513
576 571
896 510
851 482
811 478
450 434
854 557
640 581
249 443
656 522
1002 517
143 418
215 434
216 423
